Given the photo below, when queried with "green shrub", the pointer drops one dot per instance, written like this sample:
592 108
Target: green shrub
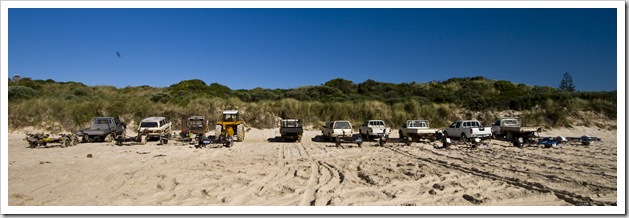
21 92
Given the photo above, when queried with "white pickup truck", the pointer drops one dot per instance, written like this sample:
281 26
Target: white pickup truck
340 129
419 129
465 129
374 129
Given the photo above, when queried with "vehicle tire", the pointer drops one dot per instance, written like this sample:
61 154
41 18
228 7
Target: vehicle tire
509 136
381 142
337 141
84 139
517 142
446 134
217 131
445 143
240 132
463 137
64 142
109 138
400 135
75 140
143 139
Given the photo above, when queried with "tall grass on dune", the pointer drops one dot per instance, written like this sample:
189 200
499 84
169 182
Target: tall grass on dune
68 106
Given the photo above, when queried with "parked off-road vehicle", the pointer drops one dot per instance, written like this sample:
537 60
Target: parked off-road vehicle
417 130
291 130
339 131
102 129
466 129
155 128
372 129
511 129
193 128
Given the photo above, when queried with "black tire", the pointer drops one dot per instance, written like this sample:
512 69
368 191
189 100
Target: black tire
64 142
240 132
517 143
445 134
463 137
445 143
509 136
337 141
85 139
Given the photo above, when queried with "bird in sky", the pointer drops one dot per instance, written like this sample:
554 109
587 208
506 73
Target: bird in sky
118 53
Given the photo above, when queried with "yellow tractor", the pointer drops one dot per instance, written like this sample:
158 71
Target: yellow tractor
230 128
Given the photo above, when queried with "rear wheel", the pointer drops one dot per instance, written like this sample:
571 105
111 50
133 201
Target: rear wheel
509 136
240 132
463 137
217 131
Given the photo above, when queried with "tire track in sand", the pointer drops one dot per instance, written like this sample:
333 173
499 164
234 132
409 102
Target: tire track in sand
322 185
567 196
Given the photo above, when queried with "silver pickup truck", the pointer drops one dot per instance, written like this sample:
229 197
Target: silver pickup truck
419 129
465 129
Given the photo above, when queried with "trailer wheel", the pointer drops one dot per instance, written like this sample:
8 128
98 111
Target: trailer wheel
64 142
446 144
518 142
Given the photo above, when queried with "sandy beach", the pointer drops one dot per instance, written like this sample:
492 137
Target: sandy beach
258 172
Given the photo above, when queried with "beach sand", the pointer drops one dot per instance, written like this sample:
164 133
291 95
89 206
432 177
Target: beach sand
258 172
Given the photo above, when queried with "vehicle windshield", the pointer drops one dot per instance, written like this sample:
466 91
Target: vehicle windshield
417 123
230 117
100 121
148 124
511 122
196 123
342 125
377 123
291 123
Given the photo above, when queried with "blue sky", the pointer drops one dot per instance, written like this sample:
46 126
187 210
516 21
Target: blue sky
289 48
